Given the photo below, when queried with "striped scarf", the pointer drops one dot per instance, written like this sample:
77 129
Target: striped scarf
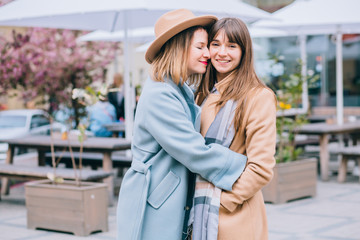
204 215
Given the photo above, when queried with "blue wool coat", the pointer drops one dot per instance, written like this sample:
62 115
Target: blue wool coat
165 146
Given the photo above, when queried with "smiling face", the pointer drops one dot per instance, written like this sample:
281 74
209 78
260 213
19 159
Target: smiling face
198 53
225 56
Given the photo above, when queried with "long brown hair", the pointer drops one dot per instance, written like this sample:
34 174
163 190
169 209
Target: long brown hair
244 80
172 60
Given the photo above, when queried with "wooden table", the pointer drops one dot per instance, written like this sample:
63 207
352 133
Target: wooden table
324 130
115 128
94 144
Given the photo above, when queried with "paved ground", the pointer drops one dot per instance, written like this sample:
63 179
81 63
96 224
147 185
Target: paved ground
334 214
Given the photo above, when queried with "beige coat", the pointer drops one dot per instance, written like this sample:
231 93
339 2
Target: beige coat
242 212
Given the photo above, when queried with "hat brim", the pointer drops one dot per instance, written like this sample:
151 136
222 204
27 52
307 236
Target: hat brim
156 45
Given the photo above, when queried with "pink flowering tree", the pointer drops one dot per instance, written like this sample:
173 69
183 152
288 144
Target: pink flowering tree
51 63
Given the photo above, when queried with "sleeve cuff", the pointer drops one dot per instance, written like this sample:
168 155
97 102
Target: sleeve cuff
227 204
232 172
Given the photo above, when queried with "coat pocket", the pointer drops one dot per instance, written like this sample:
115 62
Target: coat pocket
162 192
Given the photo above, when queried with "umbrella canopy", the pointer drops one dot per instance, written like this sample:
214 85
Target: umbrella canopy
313 17
109 15
139 35
261 32
115 15
143 48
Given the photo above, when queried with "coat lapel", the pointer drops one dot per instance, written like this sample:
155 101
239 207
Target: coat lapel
194 110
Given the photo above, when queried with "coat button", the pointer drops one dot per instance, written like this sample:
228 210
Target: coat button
187 208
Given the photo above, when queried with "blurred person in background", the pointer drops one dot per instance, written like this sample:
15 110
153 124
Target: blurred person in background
116 96
102 112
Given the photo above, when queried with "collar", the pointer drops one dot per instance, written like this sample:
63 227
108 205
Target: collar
185 89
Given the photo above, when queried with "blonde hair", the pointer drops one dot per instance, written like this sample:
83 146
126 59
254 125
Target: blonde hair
245 80
172 59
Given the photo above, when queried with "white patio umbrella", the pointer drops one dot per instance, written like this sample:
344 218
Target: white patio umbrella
139 35
313 17
143 47
114 15
258 32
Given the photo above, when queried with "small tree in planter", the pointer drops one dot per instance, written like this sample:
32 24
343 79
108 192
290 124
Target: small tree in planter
69 206
294 176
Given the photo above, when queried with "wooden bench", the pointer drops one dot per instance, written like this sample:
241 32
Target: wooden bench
304 140
94 160
346 153
39 172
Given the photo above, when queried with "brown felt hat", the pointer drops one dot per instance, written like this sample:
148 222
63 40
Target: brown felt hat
172 23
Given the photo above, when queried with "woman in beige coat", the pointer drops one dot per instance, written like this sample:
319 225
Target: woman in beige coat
242 214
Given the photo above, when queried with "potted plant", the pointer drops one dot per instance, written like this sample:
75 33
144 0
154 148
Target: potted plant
69 206
294 175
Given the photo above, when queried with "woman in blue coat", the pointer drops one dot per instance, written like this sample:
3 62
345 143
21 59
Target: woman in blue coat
156 192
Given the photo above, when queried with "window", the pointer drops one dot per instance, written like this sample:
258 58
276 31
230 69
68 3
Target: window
12 121
38 121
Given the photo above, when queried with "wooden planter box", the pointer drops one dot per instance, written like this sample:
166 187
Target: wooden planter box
67 207
292 180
